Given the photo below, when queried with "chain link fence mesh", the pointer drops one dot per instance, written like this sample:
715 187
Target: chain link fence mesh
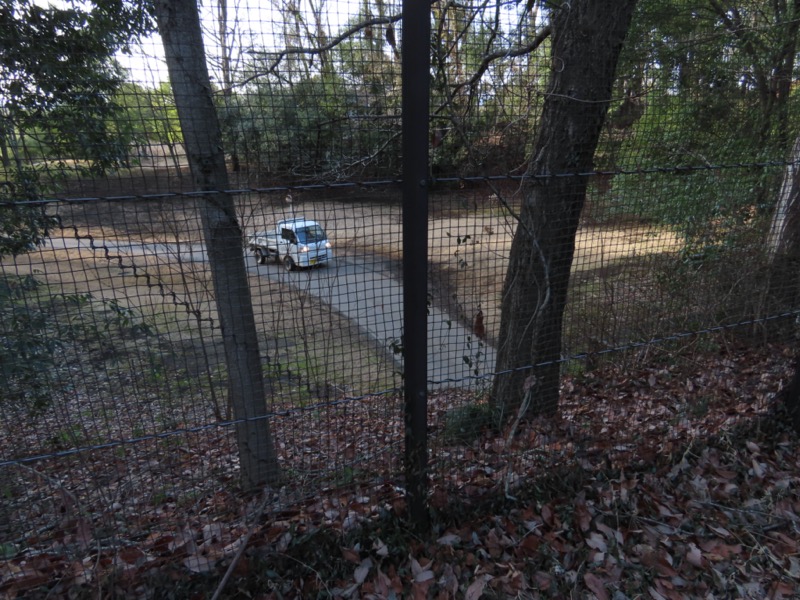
119 444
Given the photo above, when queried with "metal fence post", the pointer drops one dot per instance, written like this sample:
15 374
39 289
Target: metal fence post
415 113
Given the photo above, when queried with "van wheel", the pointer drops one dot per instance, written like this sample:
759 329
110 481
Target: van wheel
288 263
260 256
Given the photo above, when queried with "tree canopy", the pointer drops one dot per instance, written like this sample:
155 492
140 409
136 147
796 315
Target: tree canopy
57 84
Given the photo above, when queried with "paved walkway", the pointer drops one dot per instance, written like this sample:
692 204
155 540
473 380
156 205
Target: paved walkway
366 293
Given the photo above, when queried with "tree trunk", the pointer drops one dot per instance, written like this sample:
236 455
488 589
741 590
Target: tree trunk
226 58
5 159
179 26
785 228
587 36
790 396
783 242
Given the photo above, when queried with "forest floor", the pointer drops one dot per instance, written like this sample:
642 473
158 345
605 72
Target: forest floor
672 483
674 480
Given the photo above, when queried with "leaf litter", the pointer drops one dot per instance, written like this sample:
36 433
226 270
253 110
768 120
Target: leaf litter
671 481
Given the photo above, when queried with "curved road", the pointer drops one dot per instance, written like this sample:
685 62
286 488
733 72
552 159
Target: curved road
362 291
367 294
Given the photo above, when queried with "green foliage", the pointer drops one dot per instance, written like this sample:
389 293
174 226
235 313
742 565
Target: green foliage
57 85
37 326
58 78
124 319
695 98
24 224
319 127
146 116
22 228
27 350
463 425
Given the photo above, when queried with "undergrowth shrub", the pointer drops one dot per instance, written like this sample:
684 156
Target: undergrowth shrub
464 424
37 327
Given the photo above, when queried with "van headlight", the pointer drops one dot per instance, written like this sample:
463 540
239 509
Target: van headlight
303 249
328 245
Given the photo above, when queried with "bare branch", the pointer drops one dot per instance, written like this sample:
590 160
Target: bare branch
490 58
735 26
342 37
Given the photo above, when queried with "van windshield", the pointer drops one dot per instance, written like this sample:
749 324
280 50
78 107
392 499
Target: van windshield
310 235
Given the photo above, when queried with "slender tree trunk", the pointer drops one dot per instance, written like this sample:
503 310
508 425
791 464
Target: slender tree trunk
783 79
179 26
5 159
783 241
790 396
587 36
226 58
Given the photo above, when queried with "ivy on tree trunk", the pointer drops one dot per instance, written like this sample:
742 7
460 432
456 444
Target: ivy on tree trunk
586 39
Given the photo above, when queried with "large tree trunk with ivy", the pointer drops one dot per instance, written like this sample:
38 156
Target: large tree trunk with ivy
179 26
587 36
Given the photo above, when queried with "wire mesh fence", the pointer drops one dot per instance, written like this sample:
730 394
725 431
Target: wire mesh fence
121 434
